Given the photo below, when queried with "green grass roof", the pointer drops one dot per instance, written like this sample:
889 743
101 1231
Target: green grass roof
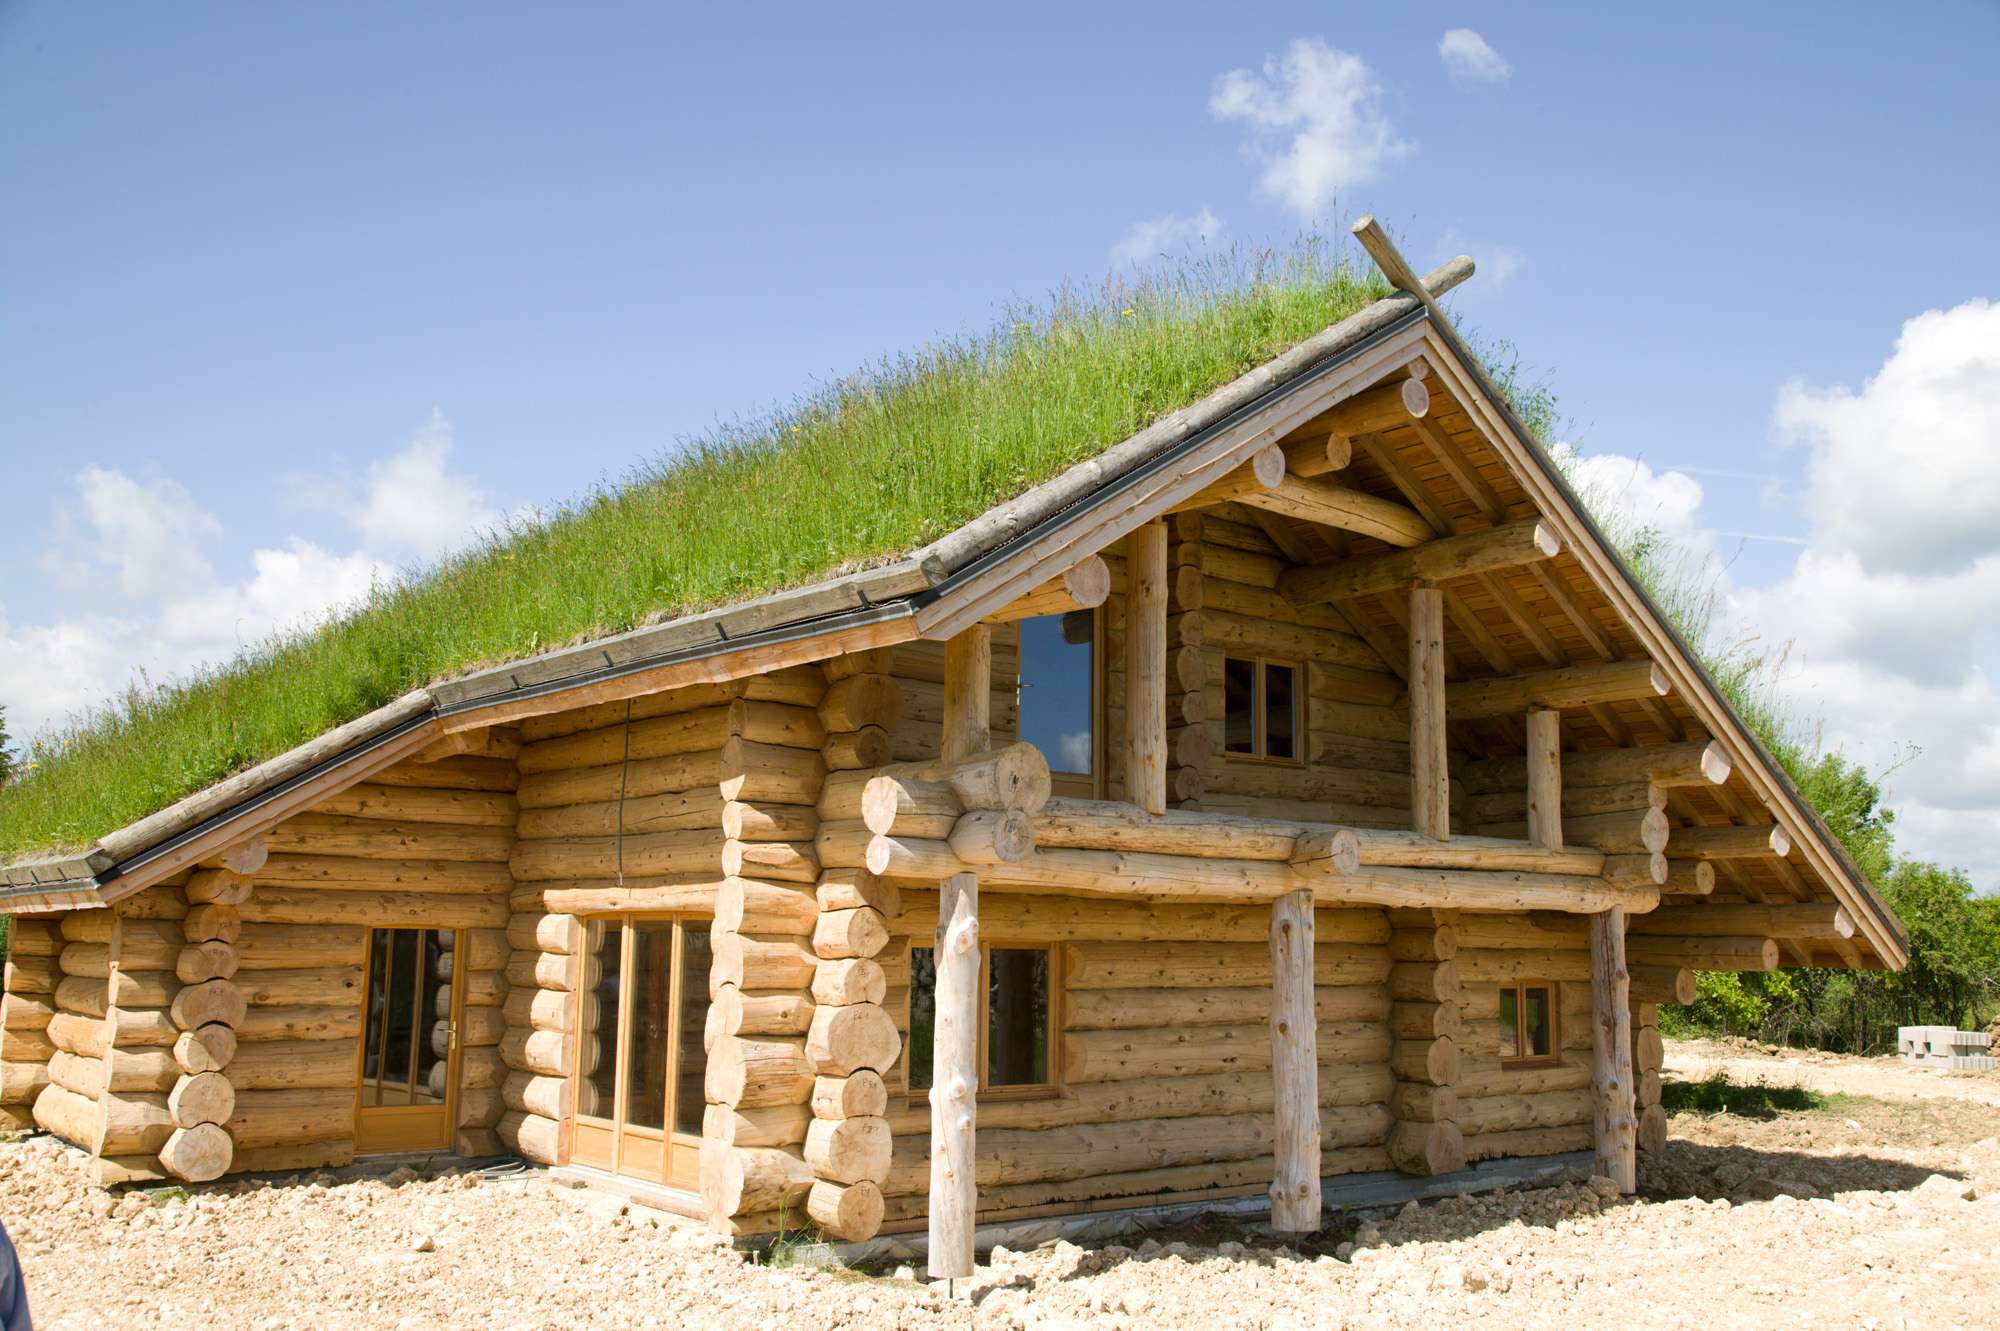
859 470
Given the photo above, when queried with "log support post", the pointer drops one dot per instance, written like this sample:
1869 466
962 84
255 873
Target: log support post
1615 1127
968 694
1295 1195
1545 778
1146 667
1430 780
1188 731
955 1078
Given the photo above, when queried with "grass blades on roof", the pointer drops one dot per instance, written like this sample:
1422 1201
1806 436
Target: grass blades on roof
861 469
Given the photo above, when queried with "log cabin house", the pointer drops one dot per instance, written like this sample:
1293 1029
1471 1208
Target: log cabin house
1301 787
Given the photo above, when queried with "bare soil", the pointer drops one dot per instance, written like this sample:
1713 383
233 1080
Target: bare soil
1876 1206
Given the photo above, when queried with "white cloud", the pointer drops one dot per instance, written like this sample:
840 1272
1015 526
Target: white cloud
1498 264
1469 59
409 503
1886 622
1316 122
146 601
1147 241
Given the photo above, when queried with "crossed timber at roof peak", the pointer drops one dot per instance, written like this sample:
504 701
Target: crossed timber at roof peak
1375 239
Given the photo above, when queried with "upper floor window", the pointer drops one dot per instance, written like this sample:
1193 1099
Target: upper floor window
1059 691
1260 709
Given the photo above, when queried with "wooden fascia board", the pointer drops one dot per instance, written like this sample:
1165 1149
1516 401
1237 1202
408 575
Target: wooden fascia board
1536 475
1152 490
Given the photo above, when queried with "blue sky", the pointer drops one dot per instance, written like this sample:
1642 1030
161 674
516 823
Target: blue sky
289 295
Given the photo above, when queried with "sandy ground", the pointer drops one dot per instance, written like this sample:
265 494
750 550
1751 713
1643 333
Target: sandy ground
1878 1209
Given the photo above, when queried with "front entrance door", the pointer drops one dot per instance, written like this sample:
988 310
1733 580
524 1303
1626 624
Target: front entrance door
640 1060
409 1042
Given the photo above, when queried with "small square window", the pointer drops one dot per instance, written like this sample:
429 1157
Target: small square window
1260 709
1528 1022
1017 1023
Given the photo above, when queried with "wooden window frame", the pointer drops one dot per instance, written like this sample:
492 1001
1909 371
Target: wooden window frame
1081 785
1259 739
1051 1089
1518 1059
675 1171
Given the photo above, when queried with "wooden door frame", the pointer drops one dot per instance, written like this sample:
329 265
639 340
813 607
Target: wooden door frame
448 1108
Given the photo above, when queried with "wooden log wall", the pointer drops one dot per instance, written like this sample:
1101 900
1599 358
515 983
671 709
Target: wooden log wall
852 1041
26 1009
762 1153
1424 988
1508 1109
1165 1054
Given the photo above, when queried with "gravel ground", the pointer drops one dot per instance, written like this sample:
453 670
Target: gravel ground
1871 1212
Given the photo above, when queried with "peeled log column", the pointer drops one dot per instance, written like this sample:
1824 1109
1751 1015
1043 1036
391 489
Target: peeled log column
1430 780
1615 1134
1545 791
1146 668
1295 1191
199 1154
968 694
955 1078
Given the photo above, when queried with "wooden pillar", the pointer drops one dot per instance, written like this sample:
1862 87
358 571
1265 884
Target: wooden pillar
1295 1199
1545 800
1430 780
1146 667
968 694
954 1078
1617 1129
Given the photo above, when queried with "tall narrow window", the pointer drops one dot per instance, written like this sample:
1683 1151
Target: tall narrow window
1018 1023
1528 1022
1059 690
1260 709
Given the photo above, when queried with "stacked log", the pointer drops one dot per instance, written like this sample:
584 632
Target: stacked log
482 960
1648 1053
535 1058
206 1016
25 1013
1165 1055
119 965
1424 1021
767 1036
1510 1108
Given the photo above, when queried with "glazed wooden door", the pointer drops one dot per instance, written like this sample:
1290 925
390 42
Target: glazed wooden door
409 1042
640 1061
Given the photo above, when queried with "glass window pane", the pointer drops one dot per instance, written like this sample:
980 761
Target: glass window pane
402 1000
1280 712
381 943
1056 689
1239 703
597 1046
1017 1017
646 1035
693 1066
1510 1023
1536 1023
923 1015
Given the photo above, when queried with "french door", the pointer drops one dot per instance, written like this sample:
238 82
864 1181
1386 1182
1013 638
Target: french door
409 1041
640 1060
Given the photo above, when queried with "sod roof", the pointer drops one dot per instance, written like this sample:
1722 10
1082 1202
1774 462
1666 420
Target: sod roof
854 473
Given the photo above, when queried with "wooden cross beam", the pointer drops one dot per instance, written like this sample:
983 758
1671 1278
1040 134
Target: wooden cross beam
1394 267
